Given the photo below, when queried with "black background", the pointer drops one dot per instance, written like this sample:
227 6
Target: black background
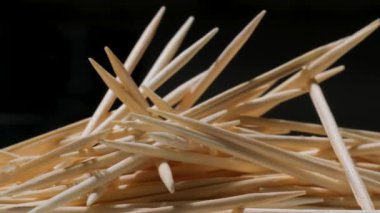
46 80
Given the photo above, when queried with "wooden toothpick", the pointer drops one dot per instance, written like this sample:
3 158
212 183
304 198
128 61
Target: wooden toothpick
131 62
221 62
169 51
178 62
331 128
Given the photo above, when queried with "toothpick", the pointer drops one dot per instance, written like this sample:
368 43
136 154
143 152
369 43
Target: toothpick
165 173
131 62
323 76
329 123
95 195
169 51
181 60
211 105
221 62
342 48
144 41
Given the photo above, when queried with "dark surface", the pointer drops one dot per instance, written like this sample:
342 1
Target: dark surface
46 80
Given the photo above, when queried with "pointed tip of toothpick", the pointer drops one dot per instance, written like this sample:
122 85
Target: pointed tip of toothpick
262 13
257 18
92 61
171 187
189 20
109 53
95 64
341 67
90 200
215 30
374 24
162 9
377 22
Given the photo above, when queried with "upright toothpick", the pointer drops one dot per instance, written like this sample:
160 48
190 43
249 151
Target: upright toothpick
221 62
331 128
131 62
180 60
169 51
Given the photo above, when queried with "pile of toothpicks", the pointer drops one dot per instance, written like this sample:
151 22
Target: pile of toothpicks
177 154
